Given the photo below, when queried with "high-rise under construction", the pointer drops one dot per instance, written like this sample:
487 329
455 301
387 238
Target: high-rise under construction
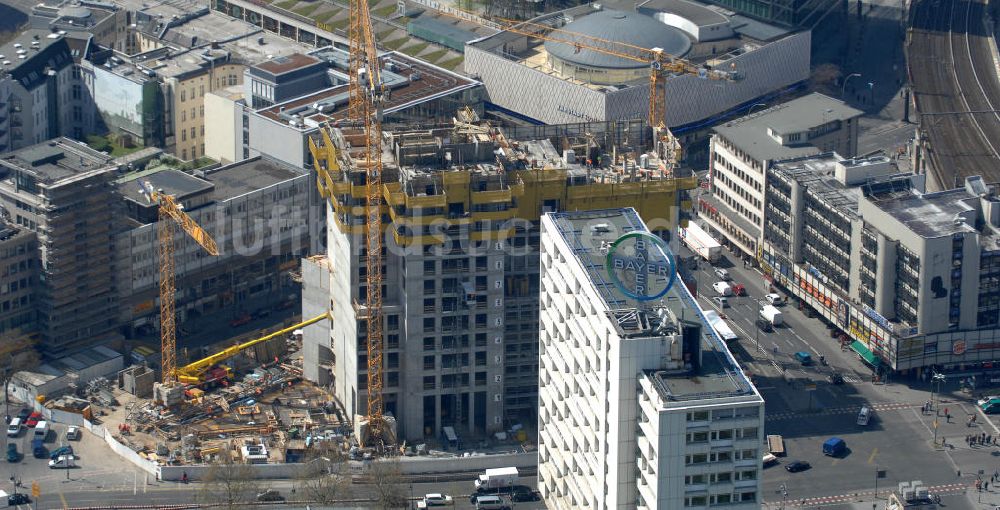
460 299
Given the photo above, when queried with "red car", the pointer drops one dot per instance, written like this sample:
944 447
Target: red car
33 419
739 289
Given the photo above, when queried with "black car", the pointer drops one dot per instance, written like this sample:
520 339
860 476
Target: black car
522 493
836 378
17 499
764 325
799 465
23 414
261 313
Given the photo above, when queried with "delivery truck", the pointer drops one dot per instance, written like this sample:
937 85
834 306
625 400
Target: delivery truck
496 478
701 243
771 314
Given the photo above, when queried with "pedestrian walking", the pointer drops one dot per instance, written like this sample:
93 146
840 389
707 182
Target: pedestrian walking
947 416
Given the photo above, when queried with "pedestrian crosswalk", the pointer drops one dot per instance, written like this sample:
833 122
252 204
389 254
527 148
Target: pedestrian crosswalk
859 496
882 406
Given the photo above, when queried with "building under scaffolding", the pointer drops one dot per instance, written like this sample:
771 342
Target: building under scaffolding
462 254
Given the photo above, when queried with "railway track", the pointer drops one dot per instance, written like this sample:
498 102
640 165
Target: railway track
952 70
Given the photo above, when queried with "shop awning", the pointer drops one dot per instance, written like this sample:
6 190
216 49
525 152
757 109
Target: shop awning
865 353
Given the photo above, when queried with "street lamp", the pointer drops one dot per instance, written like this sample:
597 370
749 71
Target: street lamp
936 378
843 89
871 88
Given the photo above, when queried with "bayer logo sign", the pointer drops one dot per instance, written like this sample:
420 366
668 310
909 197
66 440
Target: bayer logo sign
641 266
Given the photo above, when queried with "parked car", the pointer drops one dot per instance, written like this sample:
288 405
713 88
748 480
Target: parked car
804 357
769 458
260 313
722 274
73 433
33 419
63 462
61 451
18 498
434 500
240 320
796 466
12 455
774 299
24 413
14 428
38 449
270 495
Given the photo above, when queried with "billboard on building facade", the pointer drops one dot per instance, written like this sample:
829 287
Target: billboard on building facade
119 101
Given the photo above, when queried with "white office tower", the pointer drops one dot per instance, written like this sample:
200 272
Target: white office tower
641 405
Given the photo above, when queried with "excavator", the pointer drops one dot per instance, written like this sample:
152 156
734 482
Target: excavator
209 370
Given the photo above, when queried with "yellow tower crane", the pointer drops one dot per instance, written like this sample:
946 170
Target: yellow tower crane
170 212
367 94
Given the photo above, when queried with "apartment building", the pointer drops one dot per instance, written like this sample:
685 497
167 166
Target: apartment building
641 404
63 191
311 90
264 216
42 94
741 151
18 281
461 268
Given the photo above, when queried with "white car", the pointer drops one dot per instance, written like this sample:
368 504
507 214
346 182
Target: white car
722 274
773 299
73 433
434 500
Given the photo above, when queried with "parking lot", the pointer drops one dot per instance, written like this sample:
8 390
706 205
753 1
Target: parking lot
97 466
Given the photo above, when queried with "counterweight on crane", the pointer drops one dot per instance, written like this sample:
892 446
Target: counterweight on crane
170 212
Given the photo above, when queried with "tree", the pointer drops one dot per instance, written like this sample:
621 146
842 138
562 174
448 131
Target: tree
385 476
17 352
228 484
324 478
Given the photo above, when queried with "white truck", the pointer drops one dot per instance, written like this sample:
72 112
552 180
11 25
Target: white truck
723 288
771 314
701 243
720 326
496 478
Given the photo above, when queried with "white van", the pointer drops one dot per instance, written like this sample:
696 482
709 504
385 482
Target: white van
14 428
41 429
489 503
722 289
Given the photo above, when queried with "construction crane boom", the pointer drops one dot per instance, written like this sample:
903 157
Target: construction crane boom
169 213
193 373
365 106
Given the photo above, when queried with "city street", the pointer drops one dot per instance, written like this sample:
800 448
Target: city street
806 409
125 491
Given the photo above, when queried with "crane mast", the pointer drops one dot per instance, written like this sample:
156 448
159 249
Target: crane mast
367 95
169 213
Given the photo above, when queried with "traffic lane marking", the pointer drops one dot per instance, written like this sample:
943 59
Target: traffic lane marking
871 458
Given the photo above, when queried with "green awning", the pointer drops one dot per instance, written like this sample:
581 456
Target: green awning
865 353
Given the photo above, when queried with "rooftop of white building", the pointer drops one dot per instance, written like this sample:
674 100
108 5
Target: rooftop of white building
715 374
755 134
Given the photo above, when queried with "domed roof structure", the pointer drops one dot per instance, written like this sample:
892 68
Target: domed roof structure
75 11
627 27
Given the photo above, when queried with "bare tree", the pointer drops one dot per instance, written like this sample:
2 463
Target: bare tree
228 483
17 352
324 478
386 477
